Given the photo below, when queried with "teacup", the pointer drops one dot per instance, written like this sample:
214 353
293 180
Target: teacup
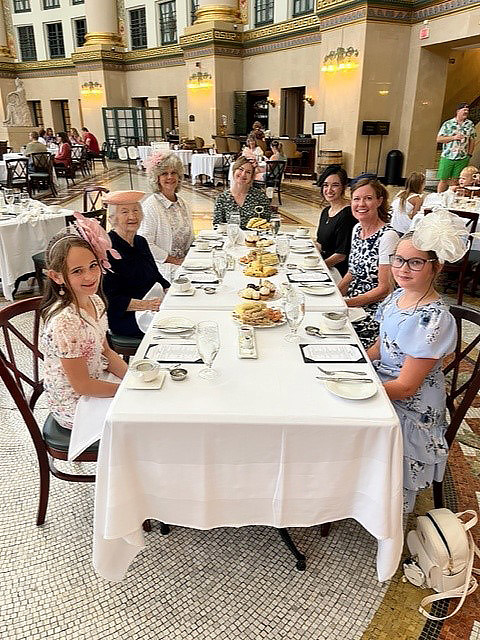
146 370
203 245
182 283
221 228
311 261
334 320
302 232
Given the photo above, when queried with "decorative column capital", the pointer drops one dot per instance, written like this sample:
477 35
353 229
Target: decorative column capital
96 38
217 12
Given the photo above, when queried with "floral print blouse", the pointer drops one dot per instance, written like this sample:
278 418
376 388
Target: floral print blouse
70 335
256 205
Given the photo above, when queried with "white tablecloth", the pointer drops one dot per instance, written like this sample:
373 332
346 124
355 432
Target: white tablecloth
267 444
144 152
19 241
204 164
186 157
227 296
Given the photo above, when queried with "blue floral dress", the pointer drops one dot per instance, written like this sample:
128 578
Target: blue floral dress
428 332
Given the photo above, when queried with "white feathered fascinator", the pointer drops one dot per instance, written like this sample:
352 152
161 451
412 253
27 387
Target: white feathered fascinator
444 233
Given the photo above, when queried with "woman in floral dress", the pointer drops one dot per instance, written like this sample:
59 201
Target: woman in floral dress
367 280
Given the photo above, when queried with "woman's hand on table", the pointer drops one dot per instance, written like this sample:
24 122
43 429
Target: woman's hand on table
152 304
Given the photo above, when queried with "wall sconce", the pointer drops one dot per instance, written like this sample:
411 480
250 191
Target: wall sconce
91 89
383 92
309 100
271 102
340 60
199 80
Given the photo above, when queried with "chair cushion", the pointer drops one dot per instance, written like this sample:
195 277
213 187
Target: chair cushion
39 258
38 174
58 437
124 341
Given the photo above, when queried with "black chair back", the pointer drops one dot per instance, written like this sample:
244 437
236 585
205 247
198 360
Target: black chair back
42 162
17 172
77 152
461 267
274 172
92 198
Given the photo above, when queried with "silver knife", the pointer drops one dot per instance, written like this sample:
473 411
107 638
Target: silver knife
338 379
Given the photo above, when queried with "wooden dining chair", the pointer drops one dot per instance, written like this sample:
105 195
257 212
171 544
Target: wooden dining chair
21 376
462 375
92 198
454 274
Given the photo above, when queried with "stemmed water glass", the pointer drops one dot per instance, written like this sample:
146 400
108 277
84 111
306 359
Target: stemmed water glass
24 200
208 344
9 196
282 248
294 309
219 263
275 223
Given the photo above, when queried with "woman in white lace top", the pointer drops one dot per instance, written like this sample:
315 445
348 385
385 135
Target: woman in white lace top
167 220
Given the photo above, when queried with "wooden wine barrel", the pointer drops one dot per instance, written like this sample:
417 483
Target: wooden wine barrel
326 158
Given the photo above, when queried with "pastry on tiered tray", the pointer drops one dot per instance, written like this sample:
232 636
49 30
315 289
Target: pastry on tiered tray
264 242
258 270
252 240
264 291
257 314
258 255
258 223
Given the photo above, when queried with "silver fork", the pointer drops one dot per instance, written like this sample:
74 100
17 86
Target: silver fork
329 373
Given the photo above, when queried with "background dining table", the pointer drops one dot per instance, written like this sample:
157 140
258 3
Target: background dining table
265 444
204 164
21 237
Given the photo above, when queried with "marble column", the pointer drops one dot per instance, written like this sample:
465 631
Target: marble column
102 24
217 10
4 48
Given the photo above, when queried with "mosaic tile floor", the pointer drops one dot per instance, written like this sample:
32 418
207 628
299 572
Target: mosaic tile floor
235 584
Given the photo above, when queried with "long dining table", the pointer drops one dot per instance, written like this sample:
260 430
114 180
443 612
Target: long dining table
266 443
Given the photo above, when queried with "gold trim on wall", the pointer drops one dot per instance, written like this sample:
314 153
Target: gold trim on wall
44 64
211 12
5 52
282 28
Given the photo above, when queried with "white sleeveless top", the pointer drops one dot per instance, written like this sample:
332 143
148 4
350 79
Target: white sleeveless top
400 220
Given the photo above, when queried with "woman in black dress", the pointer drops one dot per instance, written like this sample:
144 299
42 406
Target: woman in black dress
336 222
134 274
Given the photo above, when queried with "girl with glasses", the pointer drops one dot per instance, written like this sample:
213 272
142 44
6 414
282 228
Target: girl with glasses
416 332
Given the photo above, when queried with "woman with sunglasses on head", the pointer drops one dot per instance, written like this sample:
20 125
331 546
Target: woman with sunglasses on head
416 332
334 233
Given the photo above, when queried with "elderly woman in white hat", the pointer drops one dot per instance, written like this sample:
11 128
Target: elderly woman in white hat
167 223
132 276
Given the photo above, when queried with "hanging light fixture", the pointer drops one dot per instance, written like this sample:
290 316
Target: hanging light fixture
91 89
200 80
340 60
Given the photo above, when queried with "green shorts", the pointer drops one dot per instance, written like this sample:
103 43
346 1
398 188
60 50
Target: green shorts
449 169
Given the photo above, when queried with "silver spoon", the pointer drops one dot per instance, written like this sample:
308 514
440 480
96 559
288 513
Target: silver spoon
315 331
330 373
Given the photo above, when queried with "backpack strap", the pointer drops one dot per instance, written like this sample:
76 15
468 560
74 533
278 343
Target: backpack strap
461 592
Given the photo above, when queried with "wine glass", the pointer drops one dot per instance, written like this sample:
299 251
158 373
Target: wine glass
282 248
219 262
9 196
275 222
24 200
294 308
208 344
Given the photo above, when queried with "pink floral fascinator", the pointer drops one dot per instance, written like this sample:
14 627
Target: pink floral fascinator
90 230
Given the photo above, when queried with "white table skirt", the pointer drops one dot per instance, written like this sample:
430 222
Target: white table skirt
186 158
204 164
19 241
144 152
267 445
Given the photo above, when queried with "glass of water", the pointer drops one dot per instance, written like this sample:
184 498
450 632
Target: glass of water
219 262
24 200
208 344
9 196
233 228
282 248
294 309
275 223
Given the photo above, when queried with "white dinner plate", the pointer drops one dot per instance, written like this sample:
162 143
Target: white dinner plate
301 249
318 291
174 324
352 390
132 382
209 235
203 250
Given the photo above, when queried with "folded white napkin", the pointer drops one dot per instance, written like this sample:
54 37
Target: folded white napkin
144 318
89 420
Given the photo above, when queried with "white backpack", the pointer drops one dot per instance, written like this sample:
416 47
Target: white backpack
443 552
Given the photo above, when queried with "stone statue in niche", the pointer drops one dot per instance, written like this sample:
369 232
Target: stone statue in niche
16 108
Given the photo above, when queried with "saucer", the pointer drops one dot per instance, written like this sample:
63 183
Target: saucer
319 291
189 292
132 382
203 250
352 391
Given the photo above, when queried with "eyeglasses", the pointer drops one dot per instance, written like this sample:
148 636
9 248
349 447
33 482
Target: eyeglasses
414 264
